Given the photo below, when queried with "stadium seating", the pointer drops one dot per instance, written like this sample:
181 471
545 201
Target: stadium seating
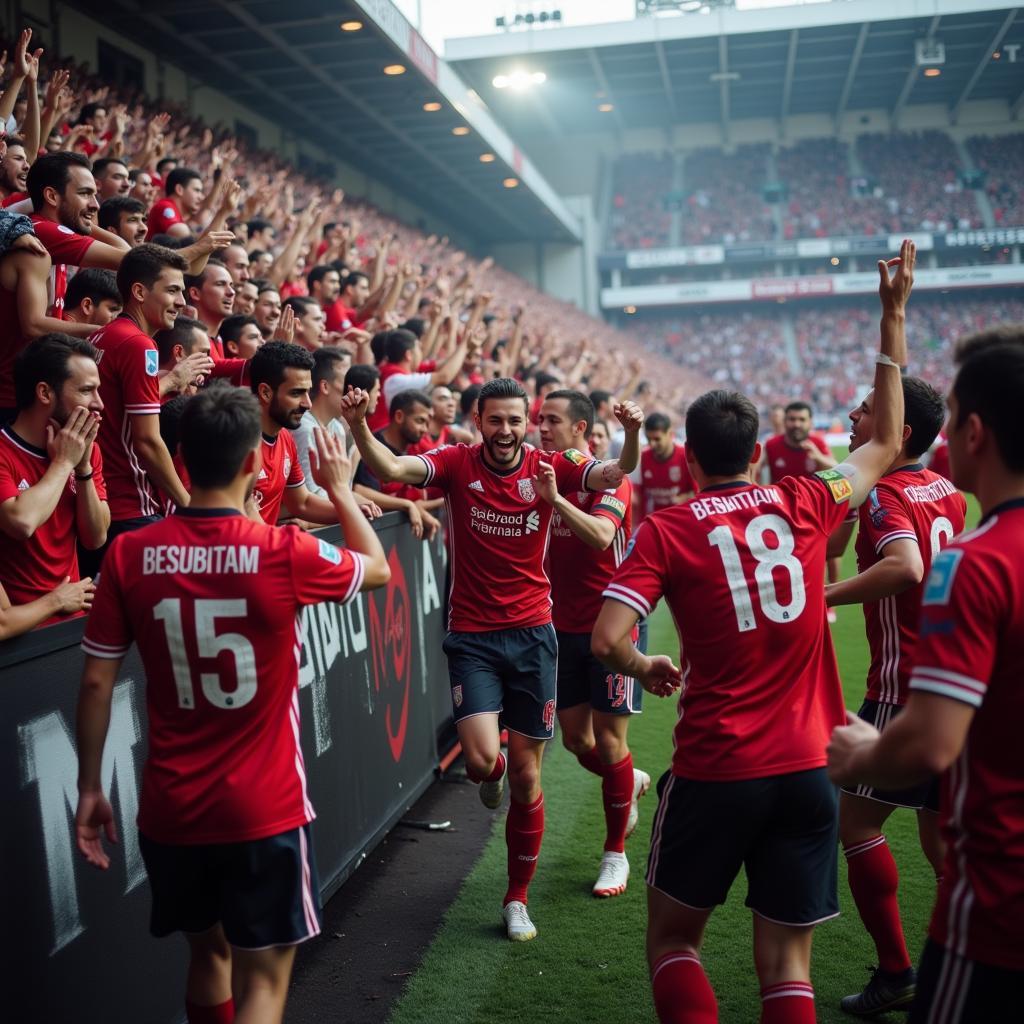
639 217
1001 157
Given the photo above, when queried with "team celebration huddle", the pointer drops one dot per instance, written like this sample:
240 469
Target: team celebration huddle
204 362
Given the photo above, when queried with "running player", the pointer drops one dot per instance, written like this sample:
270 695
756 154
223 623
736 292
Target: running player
966 703
210 598
742 567
664 475
909 517
501 644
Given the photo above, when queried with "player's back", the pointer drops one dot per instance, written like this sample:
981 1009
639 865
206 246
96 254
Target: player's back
742 569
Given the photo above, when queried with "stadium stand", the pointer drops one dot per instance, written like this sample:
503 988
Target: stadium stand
1001 160
639 217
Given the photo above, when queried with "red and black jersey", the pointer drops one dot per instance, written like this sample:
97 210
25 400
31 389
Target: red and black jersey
281 469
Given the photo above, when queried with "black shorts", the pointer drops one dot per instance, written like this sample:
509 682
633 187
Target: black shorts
954 990
582 679
265 892
511 672
782 829
923 796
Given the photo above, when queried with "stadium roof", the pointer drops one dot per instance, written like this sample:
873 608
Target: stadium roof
293 63
728 65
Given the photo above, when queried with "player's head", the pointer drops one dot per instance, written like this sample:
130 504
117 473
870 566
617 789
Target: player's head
310 321
366 378
797 422
658 431
111 174
246 295
565 421
61 186
281 375
236 259
92 297
984 435
402 347
151 280
55 375
212 292
600 440
443 406
501 418
410 415
329 368
143 188
125 216
267 309
923 416
241 336
721 436
602 402
355 289
323 283
184 338
219 437
185 187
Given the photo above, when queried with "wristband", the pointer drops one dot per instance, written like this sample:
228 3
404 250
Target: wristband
883 360
88 476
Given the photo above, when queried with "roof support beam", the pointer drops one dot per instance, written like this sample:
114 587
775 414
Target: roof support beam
851 73
723 85
787 82
666 79
979 70
1017 106
912 76
602 82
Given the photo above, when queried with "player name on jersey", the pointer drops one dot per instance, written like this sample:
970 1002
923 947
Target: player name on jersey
934 491
501 524
172 559
726 503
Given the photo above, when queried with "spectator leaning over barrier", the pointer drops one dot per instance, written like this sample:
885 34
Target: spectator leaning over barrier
92 298
52 492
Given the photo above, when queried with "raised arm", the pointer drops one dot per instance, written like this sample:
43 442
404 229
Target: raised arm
380 460
607 475
596 532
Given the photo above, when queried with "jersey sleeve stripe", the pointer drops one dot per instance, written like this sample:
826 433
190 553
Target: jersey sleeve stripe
103 651
586 474
895 535
946 690
630 597
143 410
358 573
301 483
945 675
428 469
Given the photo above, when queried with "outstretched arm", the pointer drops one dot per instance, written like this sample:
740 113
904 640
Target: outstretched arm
380 460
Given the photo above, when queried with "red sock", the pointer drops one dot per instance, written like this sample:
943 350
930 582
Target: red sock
524 830
496 772
617 791
592 762
791 1002
873 882
682 992
222 1013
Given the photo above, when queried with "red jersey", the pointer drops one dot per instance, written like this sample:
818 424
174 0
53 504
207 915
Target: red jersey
129 387
914 504
339 317
498 526
940 460
162 214
428 443
31 568
234 370
12 341
14 197
579 574
742 568
381 416
662 481
212 600
67 248
786 461
972 650
281 469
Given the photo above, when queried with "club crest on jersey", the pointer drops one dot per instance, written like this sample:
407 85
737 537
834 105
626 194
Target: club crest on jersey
675 474
330 553
152 362
526 491
576 457
287 467
838 485
549 716
457 695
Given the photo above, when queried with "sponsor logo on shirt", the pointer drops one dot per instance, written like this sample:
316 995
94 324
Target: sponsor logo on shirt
577 458
329 553
533 522
675 474
476 486
457 695
526 491
64 230
152 362
24 485
940 580
837 484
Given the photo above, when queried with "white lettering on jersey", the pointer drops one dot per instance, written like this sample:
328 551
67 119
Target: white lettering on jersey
168 559
726 503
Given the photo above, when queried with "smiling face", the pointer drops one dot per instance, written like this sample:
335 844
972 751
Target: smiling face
14 168
862 422
162 303
502 425
288 404
132 228
77 206
557 430
268 311
216 297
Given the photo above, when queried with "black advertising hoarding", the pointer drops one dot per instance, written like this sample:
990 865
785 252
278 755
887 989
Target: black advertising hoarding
374 698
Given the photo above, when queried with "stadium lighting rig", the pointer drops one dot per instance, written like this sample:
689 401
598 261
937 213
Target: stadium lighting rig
519 80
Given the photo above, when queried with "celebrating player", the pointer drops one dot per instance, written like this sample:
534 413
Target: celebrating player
742 568
211 597
664 475
589 533
909 517
501 644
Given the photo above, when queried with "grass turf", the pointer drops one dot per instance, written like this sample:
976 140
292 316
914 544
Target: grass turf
587 964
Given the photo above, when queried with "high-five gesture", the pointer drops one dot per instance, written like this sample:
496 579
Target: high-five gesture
894 290
354 406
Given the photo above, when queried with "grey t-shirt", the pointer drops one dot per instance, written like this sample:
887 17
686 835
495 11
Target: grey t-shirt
303 435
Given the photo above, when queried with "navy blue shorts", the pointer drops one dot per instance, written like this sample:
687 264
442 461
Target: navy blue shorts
510 672
924 796
782 829
582 679
954 990
264 892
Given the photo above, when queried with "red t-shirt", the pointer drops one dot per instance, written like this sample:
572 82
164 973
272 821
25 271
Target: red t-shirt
162 214
129 387
31 568
498 526
67 248
14 197
742 568
972 650
381 416
212 601
579 574
281 469
12 341
785 461
339 317
662 480
234 370
909 504
428 443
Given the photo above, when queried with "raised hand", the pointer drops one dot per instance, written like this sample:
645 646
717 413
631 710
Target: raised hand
630 415
191 371
545 482
21 66
285 330
58 81
68 443
895 290
354 405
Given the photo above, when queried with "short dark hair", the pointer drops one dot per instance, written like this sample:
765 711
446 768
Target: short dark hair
657 421
318 273
91 283
800 406
180 176
271 361
99 166
398 343
52 171
352 278
15 140
144 264
46 360
231 328
361 375
721 432
501 387
180 334
924 412
1004 334
405 400
468 398
90 110
218 428
416 324
542 379
170 420
197 280
163 162
112 208
257 224
302 304
990 384
326 361
598 397
580 406
378 344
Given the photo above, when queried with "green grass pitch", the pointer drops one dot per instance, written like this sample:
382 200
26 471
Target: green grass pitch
587 964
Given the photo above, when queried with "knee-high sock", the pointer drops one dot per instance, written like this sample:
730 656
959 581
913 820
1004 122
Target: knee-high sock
496 772
524 831
874 880
790 1002
223 1013
617 793
682 992
592 762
